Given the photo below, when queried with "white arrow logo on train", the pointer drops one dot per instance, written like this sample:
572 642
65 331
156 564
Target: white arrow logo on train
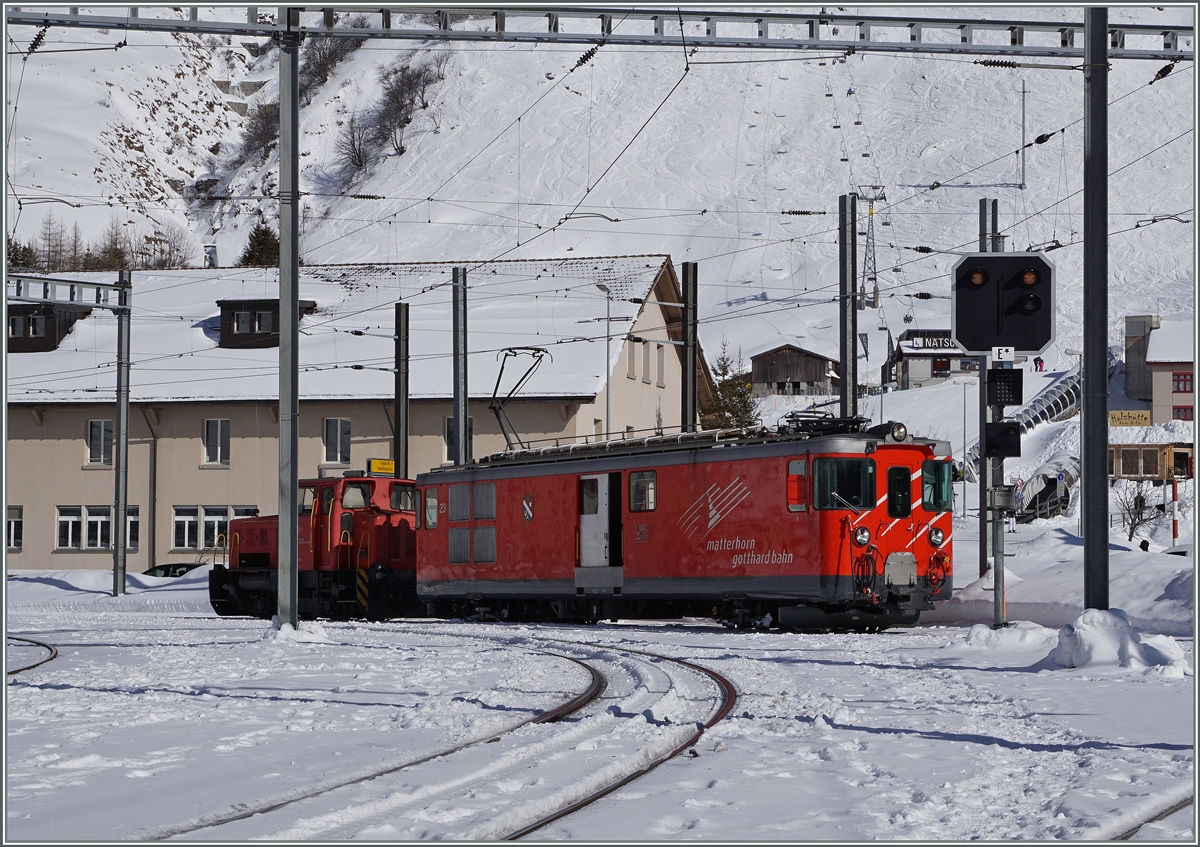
714 506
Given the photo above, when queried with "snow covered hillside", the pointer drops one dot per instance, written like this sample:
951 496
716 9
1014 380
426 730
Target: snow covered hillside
523 152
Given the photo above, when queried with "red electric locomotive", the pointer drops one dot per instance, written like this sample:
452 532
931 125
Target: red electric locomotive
356 545
829 524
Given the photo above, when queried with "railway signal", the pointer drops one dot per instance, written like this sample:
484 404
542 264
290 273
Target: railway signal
1002 300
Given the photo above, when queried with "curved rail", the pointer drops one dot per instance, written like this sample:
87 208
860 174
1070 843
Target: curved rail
728 697
53 654
1132 831
595 689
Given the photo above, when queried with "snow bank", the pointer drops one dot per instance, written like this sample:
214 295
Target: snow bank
1105 639
305 632
32 591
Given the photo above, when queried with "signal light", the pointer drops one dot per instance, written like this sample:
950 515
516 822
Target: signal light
978 277
1029 304
1002 300
1030 276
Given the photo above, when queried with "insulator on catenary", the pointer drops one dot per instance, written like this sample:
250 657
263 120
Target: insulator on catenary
922 249
995 63
923 295
584 59
803 212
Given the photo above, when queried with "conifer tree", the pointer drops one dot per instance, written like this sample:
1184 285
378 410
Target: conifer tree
733 405
262 249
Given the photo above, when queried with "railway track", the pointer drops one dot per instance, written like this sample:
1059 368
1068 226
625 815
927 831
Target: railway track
53 651
1128 834
576 702
647 708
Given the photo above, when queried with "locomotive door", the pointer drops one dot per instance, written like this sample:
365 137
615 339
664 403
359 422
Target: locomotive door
593 521
600 520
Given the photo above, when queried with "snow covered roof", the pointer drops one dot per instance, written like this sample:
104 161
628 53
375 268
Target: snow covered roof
347 347
1172 341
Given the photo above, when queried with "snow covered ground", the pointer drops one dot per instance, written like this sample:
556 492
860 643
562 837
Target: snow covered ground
158 717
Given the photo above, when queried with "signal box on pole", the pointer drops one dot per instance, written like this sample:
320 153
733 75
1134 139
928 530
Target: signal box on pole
1002 300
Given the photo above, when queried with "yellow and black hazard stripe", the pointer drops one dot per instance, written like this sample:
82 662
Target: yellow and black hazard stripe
363 589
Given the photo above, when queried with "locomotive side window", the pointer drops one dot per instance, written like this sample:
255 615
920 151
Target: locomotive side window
485 503
797 485
307 497
431 508
643 491
460 502
899 492
356 496
589 496
326 500
843 484
404 497
937 495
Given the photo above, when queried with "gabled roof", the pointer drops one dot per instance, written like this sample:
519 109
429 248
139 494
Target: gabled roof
782 347
347 347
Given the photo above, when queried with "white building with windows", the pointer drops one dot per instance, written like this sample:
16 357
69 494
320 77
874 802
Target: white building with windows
203 419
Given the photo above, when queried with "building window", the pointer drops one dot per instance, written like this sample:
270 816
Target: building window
646 361
70 527
100 442
216 526
99 527
16 326
264 322
241 322
662 366
37 326
14 528
187 527
1181 413
132 527
337 440
1181 382
247 511
216 441
631 359
643 491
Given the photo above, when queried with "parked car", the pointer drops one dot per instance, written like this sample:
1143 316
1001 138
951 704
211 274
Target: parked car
171 569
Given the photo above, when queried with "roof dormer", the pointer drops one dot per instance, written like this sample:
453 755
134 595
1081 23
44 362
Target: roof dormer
41 327
253 323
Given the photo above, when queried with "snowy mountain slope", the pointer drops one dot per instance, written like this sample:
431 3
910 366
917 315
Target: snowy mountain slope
517 138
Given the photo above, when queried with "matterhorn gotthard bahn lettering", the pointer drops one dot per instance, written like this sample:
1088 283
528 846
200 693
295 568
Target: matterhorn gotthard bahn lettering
703 561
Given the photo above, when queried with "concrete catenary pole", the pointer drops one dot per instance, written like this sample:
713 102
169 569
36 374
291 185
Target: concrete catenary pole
690 289
400 447
289 316
461 443
121 436
848 279
1094 432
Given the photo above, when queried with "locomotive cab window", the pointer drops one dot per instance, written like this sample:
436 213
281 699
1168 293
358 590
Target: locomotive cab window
431 508
356 496
643 491
843 484
307 497
937 495
797 485
404 498
899 492
326 500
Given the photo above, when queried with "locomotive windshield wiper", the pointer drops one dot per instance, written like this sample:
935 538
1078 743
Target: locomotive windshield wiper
847 503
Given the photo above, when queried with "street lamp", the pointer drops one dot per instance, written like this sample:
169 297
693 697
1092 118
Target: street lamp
607 357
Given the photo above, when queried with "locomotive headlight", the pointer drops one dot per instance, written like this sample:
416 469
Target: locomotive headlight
862 536
936 537
899 432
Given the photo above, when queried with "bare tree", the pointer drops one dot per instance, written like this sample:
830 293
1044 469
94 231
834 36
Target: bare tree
353 143
260 132
1132 499
394 112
